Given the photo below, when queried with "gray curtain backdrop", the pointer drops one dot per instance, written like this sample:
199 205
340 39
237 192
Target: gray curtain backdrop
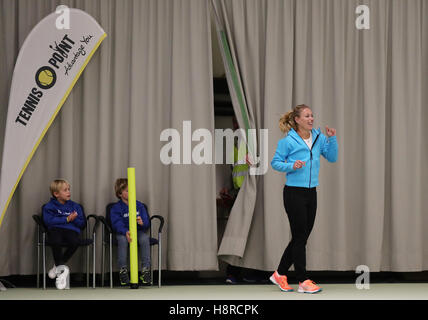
152 72
371 85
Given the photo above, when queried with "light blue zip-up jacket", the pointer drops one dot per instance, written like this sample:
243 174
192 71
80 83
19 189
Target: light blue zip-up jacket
292 148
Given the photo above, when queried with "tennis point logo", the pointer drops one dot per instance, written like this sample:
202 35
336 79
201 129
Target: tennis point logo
45 78
202 147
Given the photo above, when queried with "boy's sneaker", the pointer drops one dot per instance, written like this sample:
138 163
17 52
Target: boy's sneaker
281 282
308 286
52 273
62 280
123 276
231 280
145 277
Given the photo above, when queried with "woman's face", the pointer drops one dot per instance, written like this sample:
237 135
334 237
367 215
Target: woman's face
306 120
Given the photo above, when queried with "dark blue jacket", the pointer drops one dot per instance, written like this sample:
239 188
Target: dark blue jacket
119 216
55 215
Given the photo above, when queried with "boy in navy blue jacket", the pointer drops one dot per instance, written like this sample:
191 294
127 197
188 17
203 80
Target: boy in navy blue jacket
64 220
119 216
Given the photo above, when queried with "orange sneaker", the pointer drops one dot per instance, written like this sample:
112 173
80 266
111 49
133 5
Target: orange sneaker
281 282
308 286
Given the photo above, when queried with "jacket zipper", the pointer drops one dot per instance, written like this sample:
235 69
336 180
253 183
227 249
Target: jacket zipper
310 170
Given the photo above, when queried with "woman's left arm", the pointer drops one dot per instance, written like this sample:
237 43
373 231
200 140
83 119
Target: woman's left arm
329 148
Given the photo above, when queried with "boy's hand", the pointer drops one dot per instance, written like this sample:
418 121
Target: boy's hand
72 216
128 236
140 221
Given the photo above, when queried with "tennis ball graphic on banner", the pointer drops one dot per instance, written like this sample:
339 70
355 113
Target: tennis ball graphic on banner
45 77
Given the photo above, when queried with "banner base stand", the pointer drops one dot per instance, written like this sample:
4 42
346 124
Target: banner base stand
134 286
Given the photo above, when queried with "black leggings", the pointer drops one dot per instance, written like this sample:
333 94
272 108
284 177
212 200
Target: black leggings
301 206
59 237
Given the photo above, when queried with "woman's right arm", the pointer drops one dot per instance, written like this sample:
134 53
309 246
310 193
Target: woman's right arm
279 159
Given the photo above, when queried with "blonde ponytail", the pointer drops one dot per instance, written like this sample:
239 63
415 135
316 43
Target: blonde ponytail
287 122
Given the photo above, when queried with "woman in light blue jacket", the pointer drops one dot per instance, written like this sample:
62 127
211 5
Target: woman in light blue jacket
298 155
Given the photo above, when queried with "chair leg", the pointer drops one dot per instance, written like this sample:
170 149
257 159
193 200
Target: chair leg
44 261
103 249
151 265
87 266
87 259
111 261
102 257
38 257
38 263
93 262
159 259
